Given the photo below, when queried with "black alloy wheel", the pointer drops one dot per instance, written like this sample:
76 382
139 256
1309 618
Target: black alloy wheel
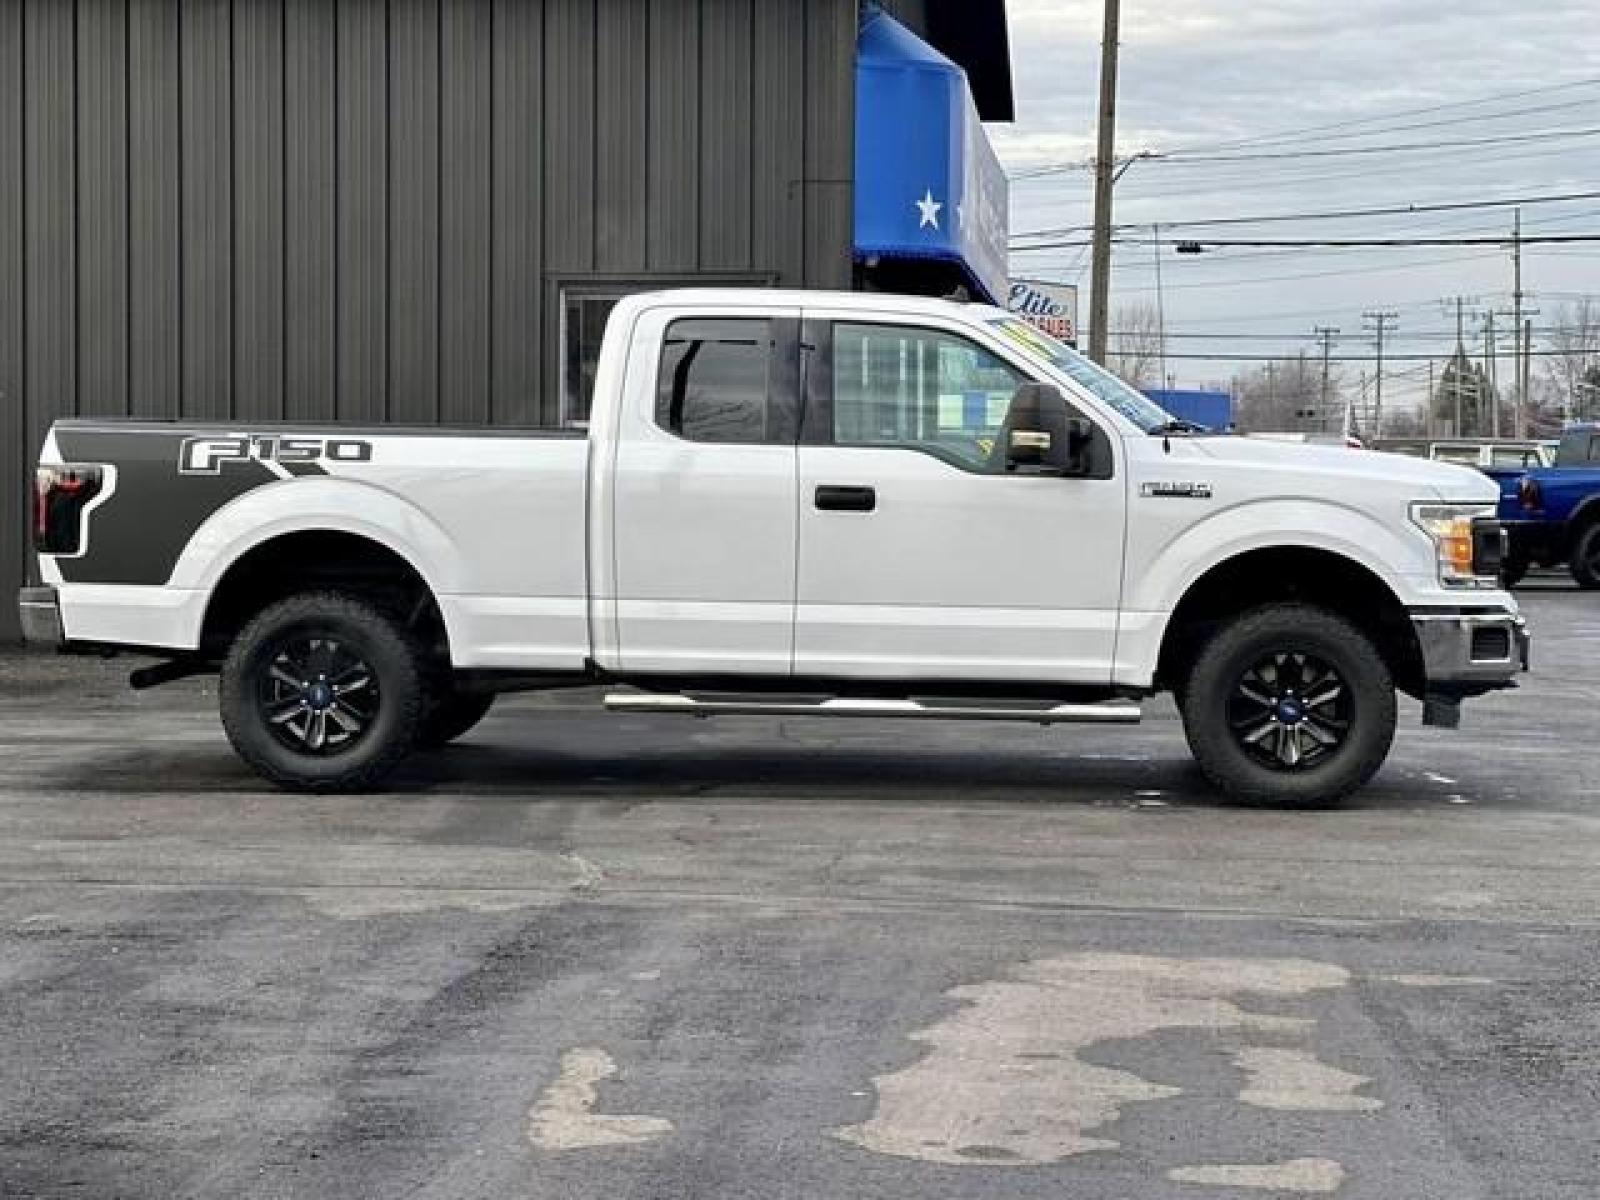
318 694
324 692
1290 711
1289 704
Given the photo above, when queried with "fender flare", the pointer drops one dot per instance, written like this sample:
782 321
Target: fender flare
318 505
1226 535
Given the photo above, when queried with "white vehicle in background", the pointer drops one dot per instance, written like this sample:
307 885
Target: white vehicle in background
839 505
1487 454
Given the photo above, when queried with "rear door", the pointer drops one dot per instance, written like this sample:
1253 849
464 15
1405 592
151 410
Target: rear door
705 495
920 555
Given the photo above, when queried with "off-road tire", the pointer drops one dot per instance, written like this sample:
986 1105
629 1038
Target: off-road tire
1584 562
453 715
1214 690
381 642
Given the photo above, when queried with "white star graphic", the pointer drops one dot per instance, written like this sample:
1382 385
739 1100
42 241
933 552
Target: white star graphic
929 207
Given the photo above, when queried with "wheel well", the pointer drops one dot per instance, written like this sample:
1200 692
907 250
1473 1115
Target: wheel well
321 559
1292 574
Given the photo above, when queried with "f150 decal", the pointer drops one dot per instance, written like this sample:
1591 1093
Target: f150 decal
208 455
170 482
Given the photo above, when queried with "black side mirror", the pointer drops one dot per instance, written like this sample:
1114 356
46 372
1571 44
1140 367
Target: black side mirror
1080 436
1040 435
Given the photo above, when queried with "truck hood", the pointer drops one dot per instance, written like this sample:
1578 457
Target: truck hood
1336 466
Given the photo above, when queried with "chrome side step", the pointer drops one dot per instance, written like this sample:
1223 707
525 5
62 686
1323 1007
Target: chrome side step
1109 713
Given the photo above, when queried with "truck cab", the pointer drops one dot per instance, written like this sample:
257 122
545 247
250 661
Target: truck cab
832 504
1552 514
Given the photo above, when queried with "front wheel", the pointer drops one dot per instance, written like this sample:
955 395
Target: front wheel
1585 561
323 692
1290 705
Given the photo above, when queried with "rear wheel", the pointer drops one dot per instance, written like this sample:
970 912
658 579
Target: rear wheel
1289 705
323 692
1585 561
454 714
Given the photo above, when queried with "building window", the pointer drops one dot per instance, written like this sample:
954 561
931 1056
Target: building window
584 312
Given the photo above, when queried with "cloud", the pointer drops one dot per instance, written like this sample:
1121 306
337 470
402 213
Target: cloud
1206 75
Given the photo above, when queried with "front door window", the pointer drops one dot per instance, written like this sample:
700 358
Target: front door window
920 389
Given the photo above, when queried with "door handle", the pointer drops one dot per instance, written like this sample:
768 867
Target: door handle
839 498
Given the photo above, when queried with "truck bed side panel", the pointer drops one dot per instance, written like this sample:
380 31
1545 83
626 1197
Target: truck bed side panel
493 523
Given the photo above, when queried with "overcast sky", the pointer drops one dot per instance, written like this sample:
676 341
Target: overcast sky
1203 76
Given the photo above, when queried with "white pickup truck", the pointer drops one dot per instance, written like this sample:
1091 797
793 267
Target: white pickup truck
838 505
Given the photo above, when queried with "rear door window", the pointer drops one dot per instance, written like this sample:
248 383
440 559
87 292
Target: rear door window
716 384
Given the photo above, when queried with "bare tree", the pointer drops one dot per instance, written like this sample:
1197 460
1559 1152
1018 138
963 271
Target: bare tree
1286 396
1574 361
1135 346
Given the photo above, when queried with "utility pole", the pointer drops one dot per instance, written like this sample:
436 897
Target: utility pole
1161 306
1382 323
1489 373
1428 418
1527 357
1516 302
1326 333
1104 166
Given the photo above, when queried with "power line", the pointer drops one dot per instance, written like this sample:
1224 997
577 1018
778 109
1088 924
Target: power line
1287 134
1415 335
1553 239
1201 356
1335 214
1245 281
1182 158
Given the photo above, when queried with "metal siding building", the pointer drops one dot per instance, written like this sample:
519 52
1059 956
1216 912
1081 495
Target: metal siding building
391 210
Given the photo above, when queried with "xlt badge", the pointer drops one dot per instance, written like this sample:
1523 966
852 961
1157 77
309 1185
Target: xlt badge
1177 491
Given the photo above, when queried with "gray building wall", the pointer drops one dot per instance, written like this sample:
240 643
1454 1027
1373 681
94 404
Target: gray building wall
363 210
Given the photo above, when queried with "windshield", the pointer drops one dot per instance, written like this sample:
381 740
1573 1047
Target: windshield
1131 403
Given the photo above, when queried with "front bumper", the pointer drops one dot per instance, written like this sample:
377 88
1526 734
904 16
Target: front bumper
40 608
1467 651
1536 540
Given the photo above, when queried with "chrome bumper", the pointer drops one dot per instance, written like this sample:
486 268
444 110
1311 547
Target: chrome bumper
41 616
1468 651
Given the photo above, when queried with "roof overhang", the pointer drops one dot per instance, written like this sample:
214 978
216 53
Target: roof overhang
975 34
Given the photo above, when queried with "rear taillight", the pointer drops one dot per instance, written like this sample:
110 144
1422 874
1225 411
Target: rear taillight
60 495
1529 495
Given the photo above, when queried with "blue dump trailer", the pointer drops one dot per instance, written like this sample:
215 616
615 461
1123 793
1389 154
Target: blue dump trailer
1214 410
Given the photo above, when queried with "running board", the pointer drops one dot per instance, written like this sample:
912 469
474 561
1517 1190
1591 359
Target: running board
1113 713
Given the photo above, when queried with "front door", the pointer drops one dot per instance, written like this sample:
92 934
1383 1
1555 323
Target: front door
920 556
704 520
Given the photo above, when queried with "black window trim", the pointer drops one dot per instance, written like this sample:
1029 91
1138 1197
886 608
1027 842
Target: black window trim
816 421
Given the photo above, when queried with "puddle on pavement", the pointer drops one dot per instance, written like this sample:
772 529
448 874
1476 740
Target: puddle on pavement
1311 1176
564 1118
1002 1082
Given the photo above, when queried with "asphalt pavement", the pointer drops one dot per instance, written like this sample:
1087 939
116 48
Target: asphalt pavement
588 956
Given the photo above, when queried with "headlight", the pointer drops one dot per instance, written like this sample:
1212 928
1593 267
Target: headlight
1450 527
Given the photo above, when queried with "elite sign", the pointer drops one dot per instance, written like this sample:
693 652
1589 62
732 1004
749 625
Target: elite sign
1053 307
